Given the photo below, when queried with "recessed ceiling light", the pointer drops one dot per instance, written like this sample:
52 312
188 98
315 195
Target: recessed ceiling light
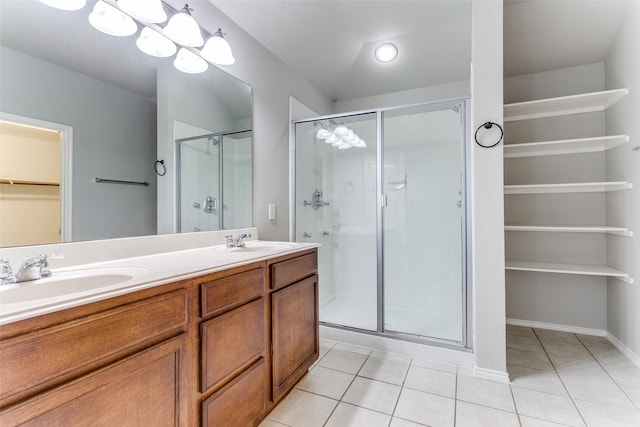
386 52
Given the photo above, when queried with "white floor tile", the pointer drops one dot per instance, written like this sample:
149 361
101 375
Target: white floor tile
391 356
399 422
596 388
371 394
431 381
549 407
485 392
524 343
270 423
633 392
528 359
565 349
425 408
557 336
535 379
384 370
470 415
439 366
596 344
326 382
623 374
342 360
597 415
535 422
302 409
521 331
353 348
346 415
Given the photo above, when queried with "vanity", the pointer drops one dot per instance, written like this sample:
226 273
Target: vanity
207 336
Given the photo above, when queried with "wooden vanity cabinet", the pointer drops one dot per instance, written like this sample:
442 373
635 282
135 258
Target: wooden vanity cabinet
294 321
217 350
112 362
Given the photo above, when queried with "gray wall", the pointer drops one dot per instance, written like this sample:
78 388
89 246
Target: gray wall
568 300
623 208
118 145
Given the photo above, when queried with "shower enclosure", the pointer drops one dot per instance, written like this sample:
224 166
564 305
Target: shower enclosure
214 181
384 193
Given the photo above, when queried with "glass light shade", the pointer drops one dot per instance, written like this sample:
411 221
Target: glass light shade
188 62
341 130
332 139
343 146
323 133
155 44
386 52
144 10
65 4
184 30
217 50
110 20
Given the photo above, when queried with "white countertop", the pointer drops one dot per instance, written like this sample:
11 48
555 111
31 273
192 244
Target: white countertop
81 284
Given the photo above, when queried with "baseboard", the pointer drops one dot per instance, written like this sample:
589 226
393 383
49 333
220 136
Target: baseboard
490 374
558 327
624 349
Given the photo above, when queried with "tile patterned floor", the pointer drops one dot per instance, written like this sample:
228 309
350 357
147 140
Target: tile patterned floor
557 379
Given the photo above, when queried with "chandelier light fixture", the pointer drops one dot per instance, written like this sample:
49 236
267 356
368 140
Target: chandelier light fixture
65 4
144 10
112 21
339 136
121 18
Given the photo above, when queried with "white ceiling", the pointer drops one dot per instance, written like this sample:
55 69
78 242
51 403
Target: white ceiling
331 42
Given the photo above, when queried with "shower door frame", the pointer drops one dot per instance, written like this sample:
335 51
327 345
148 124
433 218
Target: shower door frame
466 343
220 136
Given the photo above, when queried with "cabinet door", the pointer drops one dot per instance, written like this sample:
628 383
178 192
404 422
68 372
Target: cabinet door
142 389
240 403
294 333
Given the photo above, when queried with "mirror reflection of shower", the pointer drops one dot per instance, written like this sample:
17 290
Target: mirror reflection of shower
214 181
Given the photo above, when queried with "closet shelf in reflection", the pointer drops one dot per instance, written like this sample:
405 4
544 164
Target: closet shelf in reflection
580 269
27 182
622 231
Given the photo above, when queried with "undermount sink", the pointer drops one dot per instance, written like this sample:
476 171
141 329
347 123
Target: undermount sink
66 283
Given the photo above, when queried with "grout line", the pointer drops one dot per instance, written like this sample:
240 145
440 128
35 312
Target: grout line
560 378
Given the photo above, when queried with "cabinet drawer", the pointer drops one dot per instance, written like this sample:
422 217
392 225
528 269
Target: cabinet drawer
240 403
40 359
223 294
292 270
232 341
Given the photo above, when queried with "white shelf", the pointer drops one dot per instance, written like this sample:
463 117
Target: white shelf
566 146
622 231
579 187
564 105
550 267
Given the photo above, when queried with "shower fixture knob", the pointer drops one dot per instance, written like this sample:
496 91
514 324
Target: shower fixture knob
306 235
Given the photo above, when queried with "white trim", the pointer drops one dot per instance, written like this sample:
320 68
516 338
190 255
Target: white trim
490 374
623 348
66 166
558 327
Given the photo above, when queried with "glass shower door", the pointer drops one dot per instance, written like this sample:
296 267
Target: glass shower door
423 224
237 180
335 205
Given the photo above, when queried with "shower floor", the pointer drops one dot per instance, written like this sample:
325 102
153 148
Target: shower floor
362 315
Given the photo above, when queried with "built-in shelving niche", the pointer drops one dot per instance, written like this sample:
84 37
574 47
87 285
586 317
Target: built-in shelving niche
560 106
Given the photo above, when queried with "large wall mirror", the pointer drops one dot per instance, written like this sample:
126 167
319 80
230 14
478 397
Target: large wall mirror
97 107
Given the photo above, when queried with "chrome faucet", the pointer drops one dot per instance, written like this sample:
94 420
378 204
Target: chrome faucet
236 243
32 269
